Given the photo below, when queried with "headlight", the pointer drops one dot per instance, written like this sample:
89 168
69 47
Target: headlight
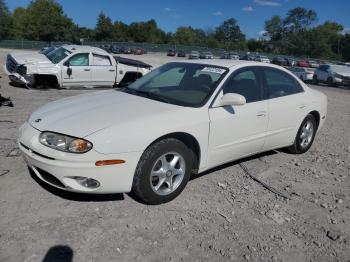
65 143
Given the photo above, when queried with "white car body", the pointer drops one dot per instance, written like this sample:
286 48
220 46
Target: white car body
93 74
123 126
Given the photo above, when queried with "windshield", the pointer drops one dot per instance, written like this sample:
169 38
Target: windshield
184 84
45 51
58 55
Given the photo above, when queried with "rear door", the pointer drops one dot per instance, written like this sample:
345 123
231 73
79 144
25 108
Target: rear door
287 106
76 71
103 72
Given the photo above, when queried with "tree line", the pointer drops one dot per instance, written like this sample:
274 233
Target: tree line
296 34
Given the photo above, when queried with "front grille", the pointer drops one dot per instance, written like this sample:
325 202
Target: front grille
50 178
11 64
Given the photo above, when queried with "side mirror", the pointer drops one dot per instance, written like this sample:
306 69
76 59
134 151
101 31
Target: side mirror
232 99
66 63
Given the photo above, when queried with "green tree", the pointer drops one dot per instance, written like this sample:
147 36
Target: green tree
5 21
19 23
46 21
230 35
189 36
299 19
104 28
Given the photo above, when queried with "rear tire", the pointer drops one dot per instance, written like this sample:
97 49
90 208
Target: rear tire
305 136
162 172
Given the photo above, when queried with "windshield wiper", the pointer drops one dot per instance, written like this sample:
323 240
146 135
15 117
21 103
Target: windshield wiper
145 93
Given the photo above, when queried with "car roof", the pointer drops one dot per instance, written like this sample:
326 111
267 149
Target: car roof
228 63
84 48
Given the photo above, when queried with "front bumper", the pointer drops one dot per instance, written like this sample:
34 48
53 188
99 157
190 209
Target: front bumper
59 168
17 78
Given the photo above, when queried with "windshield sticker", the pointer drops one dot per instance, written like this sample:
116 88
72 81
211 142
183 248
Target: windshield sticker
214 70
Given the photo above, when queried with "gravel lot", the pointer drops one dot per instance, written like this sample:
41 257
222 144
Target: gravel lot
222 215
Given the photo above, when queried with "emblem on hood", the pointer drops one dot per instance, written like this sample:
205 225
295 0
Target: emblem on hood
37 120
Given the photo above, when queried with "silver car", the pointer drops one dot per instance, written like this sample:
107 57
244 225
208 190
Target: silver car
332 75
194 55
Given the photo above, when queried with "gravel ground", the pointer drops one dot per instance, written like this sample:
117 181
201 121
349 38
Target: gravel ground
222 215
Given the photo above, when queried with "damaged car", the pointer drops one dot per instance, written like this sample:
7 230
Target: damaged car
72 66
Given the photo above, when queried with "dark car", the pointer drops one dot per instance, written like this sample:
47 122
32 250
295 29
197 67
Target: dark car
107 48
248 57
171 52
126 50
115 49
138 51
281 61
181 53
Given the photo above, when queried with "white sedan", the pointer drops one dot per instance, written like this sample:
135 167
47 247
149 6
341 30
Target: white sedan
182 118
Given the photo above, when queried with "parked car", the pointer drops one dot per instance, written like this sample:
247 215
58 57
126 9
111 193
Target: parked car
305 74
181 53
347 64
112 142
262 58
171 52
206 55
332 75
70 65
248 57
107 48
233 56
302 63
313 63
138 51
194 55
281 61
291 61
115 49
126 50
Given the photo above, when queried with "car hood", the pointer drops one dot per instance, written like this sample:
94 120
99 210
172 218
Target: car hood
30 58
85 114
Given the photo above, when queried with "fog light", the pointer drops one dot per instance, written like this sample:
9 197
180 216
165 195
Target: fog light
87 182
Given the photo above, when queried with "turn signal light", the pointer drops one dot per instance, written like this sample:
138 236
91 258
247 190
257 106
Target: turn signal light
109 162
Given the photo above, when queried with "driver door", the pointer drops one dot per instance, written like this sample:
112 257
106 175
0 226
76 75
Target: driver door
76 71
238 131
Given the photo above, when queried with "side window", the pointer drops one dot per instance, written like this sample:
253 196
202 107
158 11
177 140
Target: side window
280 83
245 83
79 60
100 60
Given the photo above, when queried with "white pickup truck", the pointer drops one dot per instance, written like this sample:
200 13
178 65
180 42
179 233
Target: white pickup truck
73 66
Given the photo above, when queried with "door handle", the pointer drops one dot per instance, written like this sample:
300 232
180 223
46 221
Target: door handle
302 106
111 70
261 114
86 69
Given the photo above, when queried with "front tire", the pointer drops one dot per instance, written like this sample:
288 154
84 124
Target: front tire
162 172
315 80
305 136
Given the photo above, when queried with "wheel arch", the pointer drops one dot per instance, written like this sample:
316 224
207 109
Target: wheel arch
317 116
47 78
190 141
